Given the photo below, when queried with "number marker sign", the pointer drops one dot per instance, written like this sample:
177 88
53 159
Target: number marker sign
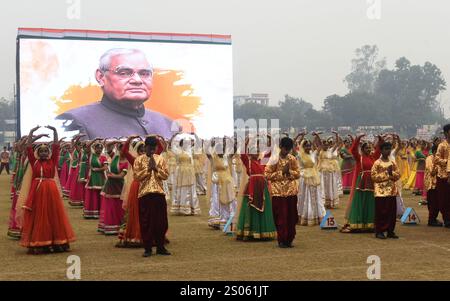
410 217
328 221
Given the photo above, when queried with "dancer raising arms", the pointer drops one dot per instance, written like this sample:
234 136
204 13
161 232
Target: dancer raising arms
401 158
75 188
220 189
311 208
63 164
360 212
347 165
14 227
46 227
255 221
184 192
95 180
329 171
111 211
200 161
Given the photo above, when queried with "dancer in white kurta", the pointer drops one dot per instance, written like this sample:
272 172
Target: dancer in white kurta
171 160
236 170
311 209
220 190
184 191
330 175
200 159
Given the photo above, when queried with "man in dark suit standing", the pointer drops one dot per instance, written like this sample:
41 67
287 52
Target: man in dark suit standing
125 76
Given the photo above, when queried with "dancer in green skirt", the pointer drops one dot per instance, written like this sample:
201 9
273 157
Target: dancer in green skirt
360 213
255 220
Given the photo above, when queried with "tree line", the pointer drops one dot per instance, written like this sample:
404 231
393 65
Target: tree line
404 97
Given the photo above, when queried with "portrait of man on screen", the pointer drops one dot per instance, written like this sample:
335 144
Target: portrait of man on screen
125 77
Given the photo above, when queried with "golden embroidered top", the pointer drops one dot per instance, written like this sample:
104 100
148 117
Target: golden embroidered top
221 170
430 173
150 181
384 185
199 162
328 161
171 160
221 176
308 168
441 160
283 185
185 172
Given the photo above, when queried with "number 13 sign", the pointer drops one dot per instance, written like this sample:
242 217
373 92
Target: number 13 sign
328 222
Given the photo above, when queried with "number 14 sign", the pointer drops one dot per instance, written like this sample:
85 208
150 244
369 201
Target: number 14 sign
410 217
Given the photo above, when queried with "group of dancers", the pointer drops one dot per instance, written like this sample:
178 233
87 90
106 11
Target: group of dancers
260 191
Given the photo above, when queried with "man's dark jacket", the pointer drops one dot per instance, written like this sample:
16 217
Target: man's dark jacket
106 119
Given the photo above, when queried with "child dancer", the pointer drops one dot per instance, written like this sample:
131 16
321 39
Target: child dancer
255 220
329 172
111 211
283 173
311 208
384 174
95 181
46 227
184 192
220 188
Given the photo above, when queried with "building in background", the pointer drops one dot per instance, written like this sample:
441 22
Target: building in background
426 132
8 132
259 98
8 121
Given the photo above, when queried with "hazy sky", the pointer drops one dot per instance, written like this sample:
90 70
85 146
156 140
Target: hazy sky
302 48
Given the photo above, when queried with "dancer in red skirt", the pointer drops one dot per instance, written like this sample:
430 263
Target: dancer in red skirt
111 211
46 227
63 165
130 233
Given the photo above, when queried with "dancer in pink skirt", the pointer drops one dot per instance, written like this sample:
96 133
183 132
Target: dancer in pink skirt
21 166
63 165
347 165
421 155
111 211
13 227
76 188
96 181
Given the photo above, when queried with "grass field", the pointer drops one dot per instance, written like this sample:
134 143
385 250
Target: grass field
199 253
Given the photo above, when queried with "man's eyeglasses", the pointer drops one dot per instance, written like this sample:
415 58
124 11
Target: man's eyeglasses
127 73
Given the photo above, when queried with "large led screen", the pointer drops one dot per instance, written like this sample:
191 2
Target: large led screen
114 88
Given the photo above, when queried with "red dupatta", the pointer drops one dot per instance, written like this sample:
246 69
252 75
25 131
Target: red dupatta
256 183
358 168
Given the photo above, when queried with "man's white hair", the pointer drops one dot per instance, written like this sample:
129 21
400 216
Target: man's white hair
105 59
